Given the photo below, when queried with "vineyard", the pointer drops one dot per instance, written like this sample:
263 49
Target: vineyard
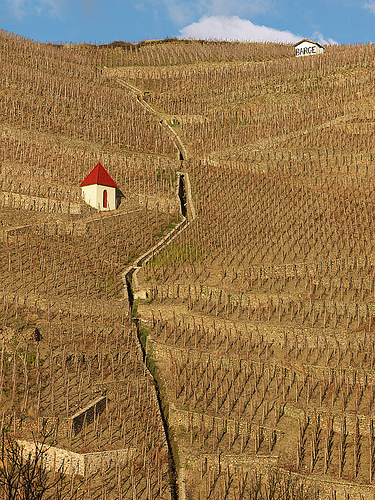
246 369
260 315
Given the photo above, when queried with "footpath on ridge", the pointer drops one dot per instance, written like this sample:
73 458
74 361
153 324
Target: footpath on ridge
130 281
164 118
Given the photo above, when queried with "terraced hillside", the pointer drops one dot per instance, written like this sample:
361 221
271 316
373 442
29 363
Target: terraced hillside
260 316
70 355
247 368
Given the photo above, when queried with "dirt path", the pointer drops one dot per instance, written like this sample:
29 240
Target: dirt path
164 118
131 291
130 281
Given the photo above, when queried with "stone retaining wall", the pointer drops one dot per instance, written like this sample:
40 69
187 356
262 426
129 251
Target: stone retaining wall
14 231
57 459
329 489
101 460
68 462
163 353
192 294
188 419
163 204
88 413
143 259
37 204
130 275
153 251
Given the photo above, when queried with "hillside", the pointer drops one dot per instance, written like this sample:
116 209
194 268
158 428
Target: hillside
252 350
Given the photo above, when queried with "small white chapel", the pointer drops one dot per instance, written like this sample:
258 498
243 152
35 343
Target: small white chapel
99 189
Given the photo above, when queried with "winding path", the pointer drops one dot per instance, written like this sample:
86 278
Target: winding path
130 280
164 118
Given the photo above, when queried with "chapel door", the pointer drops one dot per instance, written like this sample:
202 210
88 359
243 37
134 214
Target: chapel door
105 198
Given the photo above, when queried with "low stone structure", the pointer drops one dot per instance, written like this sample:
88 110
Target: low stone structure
98 461
68 462
56 459
88 413
37 204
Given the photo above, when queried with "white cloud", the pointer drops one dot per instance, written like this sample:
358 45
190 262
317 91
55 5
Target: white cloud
370 6
320 39
235 28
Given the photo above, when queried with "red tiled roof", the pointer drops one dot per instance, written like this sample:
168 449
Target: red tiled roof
99 175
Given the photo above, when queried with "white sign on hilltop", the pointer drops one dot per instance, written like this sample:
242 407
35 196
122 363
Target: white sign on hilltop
308 48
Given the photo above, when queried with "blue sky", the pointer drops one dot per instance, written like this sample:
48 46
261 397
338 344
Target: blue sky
329 21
